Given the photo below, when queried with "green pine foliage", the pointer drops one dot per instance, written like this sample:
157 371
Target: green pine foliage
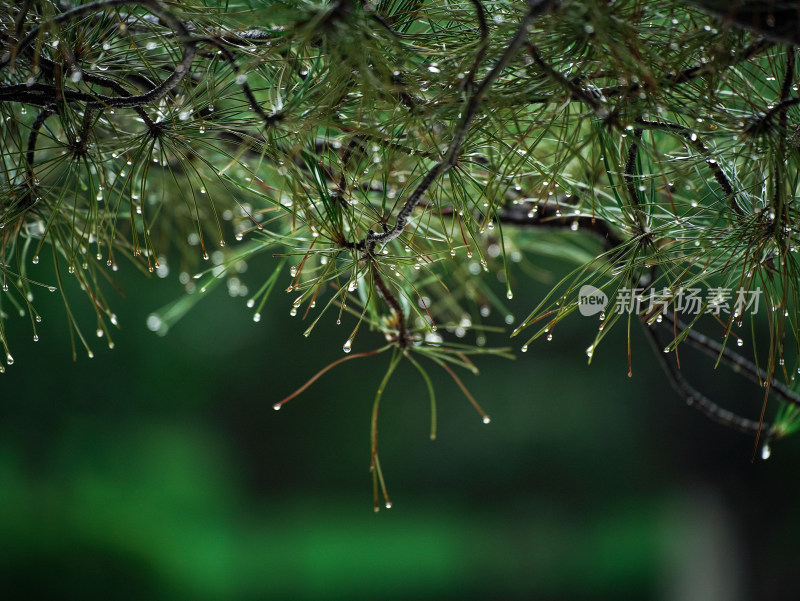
408 163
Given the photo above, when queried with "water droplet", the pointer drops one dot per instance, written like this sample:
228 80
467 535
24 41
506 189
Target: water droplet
388 504
256 317
740 342
347 346
36 337
293 312
99 333
51 288
35 259
486 419
524 348
277 406
509 295
766 451
549 337
251 303
154 323
9 359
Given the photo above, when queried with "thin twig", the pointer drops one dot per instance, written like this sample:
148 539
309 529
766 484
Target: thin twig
739 364
535 8
694 140
699 401
483 27
577 92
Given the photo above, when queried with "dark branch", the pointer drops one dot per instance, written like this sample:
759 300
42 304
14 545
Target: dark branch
699 401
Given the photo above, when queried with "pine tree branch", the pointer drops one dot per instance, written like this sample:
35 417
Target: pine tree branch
689 74
483 27
180 71
738 363
575 90
535 8
692 139
546 215
699 401
630 181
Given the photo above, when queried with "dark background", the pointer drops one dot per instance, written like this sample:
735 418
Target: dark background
159 470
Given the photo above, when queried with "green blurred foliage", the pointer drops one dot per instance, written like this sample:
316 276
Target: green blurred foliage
159 470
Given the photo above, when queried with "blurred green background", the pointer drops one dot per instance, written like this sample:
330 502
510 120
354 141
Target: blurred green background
159 470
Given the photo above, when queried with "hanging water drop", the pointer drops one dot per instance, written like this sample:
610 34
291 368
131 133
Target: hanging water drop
347 346
486 419
766 451
256 317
